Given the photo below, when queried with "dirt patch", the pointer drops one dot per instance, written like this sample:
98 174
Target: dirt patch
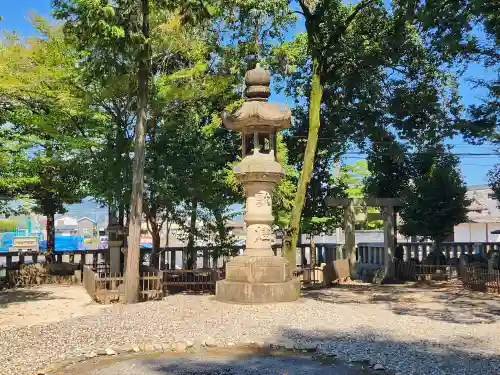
44 304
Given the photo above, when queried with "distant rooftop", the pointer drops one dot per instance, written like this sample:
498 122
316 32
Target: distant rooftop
478 187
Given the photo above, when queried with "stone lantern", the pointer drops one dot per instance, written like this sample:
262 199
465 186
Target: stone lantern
258 276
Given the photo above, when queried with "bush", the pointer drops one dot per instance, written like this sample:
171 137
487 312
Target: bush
7 226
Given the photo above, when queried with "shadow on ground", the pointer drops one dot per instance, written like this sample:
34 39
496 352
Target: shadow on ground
224 361
407 357
20 295
438 301
344 355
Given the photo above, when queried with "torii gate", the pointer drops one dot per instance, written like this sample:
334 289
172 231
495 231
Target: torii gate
387 205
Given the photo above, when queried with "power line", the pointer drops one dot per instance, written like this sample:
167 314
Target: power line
464 164
390 142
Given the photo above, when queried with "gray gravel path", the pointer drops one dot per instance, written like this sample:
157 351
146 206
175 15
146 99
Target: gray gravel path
409 332
223 365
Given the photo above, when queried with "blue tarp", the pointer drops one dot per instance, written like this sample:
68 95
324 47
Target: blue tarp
6 241
65 243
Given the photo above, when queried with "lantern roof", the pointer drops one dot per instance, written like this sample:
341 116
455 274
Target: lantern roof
256 112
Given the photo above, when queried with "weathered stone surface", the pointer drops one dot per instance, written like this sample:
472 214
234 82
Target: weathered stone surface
341 269
136 348
210 343
126 349
252 269
91 355
179 346
189 343
110 351
378 367
258 276
49 369
241 292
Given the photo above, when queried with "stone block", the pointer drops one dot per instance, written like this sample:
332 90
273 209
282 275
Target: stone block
244 292
258 270
341 269
328 274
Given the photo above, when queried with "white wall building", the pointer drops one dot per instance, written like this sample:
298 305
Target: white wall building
484 217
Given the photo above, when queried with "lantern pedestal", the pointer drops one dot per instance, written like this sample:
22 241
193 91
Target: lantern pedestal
252 279
254 293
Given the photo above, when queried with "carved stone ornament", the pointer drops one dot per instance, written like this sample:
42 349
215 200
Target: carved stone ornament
256 111
263 233
263 199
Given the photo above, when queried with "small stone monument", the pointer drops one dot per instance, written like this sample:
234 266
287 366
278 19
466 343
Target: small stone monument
258 276
115 244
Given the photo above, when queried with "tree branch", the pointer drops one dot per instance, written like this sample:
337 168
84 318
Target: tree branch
335 37
305 9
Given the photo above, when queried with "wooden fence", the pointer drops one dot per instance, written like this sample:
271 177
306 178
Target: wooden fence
309 276
105 287
411 271
480 279
192 281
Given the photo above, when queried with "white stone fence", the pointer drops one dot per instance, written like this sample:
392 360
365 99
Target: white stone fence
373 253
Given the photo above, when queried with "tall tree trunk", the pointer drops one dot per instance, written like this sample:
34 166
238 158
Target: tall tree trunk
168 224
312 247
155 251
134 237
221 230
307 169
121 214
191 249
51 237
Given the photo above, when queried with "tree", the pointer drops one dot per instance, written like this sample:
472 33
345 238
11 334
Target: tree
473 37
115 38
366 69
494 182
41 116
435 199
318 217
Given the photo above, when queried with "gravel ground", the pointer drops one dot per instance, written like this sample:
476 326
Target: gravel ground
405 330
204 364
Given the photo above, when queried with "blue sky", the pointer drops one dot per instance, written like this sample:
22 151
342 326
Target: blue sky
474 168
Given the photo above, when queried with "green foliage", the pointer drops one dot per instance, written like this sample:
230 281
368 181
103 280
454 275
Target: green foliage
376 75
355 177
8 226
388 163
494 182
317 216
284 193
435 199
43 114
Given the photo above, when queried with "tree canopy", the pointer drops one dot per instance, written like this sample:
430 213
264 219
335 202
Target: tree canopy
121 101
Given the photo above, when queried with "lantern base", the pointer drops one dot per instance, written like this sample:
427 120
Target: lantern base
258 292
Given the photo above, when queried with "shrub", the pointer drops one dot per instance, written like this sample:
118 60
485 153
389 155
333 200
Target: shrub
7 226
